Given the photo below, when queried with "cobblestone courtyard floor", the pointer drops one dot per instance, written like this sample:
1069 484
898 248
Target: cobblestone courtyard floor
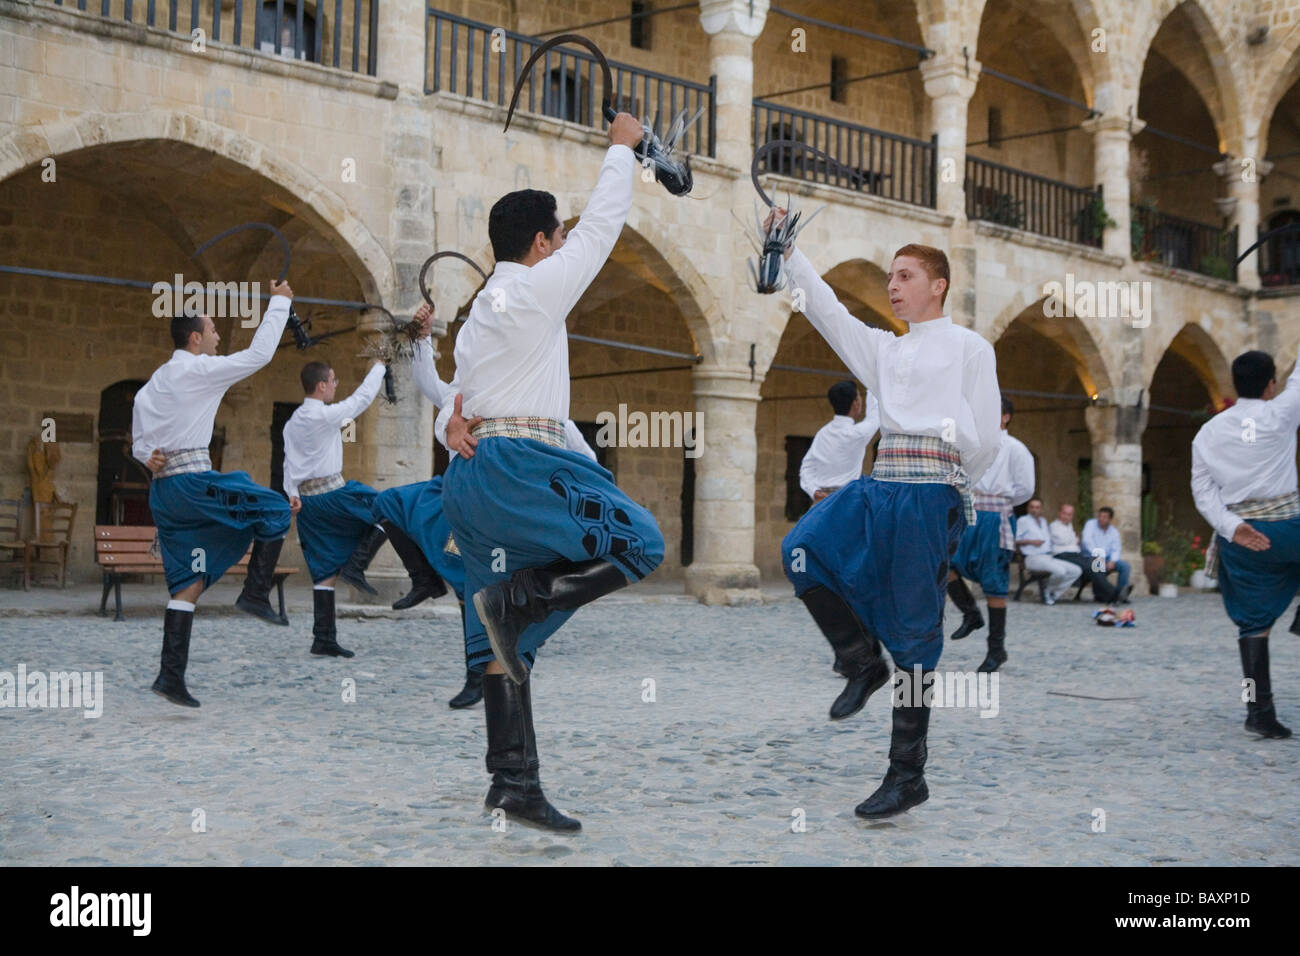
734 748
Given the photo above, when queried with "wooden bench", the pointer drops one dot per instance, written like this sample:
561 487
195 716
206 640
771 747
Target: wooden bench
1038 577
124 549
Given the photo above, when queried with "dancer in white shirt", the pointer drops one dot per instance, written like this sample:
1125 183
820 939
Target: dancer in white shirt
840 446
988 546
1244 483
1034 538
542 530
870 562
205 519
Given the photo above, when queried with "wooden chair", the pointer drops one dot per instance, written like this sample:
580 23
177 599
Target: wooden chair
11 538
53 532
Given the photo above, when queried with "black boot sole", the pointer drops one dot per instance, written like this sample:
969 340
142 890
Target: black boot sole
874 686
335 651
967 628
416 596
506 655
179 701
998 661
914 800
264 612
360 583
536 824
464 700
1270 733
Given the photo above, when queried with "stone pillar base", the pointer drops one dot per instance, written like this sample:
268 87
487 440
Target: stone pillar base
727 584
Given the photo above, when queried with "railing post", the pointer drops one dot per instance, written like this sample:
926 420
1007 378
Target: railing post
932 196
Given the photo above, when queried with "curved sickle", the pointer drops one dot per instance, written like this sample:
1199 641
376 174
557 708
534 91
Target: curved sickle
606 102
771 145
424 289
284 243
1280 230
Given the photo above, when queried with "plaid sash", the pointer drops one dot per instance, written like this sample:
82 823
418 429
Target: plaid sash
185 461
546 430
1279 508
923 459
320 486
1001 505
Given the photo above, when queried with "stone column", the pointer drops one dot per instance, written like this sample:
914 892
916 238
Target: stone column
723 571
1116 434
732 26
1111 137
1242 176
950 83
397 440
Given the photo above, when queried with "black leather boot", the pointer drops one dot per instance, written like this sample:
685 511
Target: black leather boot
425 581
354 572
997 655
472 692
512 757
1260 716
971 619
857 653
175 656
1295 622
904 784
505 609
255 598
325 629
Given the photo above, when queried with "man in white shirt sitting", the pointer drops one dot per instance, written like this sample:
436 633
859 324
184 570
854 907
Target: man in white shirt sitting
1034 539
834 459
1244 483
1102 546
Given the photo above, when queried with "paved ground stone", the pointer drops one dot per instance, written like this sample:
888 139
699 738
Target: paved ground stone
733 763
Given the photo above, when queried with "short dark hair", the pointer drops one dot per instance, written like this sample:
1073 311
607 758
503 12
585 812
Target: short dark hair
1109 512
1032 500
313 373
1007 407
183 325
842 395
516 219
1251 373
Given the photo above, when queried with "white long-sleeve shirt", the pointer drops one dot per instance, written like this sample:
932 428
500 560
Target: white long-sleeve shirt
1098 542
837 451
313 442
1029 528
177 406
512 354
1065 540
939 379
1012 472
1246 451
573 440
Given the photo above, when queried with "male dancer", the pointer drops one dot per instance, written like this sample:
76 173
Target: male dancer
333 515
986 549
838 449
1244 484
542 530
205 519
871 560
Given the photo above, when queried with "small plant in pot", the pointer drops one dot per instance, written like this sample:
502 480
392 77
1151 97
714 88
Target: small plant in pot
1153 565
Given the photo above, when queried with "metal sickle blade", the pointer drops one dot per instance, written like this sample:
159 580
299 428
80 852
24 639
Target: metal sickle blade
606 103
424 269
284 243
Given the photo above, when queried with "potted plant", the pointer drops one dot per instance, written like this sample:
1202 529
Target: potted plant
1153 564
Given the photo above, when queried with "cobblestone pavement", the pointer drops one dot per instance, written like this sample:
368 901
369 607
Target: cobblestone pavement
732 753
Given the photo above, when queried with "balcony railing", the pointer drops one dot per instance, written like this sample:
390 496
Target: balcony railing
1184 243
869 160
1012 197
1279 260
483 62
332 33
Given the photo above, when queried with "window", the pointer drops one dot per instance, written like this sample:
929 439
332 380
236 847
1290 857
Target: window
995 128
839 74
301 48
640 24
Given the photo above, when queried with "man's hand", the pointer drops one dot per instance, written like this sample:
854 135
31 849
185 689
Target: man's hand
1248 537
776 214
281 288
1110 565
295 504
424 316
819 494
626 130
156 461
459 438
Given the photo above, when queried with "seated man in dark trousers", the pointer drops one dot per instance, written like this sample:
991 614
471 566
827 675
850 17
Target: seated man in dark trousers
205 518
1244 483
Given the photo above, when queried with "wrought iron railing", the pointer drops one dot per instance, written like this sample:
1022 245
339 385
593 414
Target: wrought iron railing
338 33
1279 259
1184 243
481 61
1013 197
868 160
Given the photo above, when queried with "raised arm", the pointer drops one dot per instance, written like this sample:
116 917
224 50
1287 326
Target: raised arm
226 370
356 403
427 380
1288 401
855 342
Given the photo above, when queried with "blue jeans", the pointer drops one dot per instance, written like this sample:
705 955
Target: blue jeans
1122 571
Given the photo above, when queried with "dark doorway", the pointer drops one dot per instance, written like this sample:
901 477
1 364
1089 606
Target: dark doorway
122 485
281 414
796 502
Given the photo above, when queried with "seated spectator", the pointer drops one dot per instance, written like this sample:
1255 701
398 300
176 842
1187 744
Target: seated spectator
1101 540
1065 545
1034 539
